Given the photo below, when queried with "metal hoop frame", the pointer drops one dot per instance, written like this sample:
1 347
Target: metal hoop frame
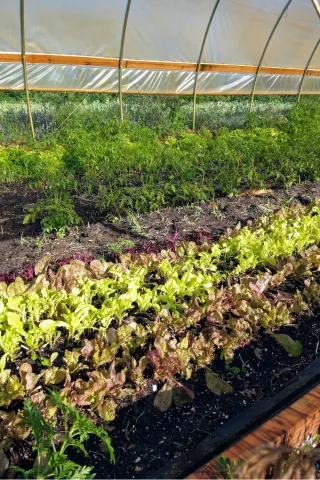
24 63
123 39
198 67
317 8
199 63
265 51
306 69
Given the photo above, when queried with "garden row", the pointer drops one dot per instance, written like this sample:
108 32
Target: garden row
154 315
105 334
132 168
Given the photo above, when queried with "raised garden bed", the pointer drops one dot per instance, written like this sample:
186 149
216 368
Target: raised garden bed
246 311
289 428
296 420
159 325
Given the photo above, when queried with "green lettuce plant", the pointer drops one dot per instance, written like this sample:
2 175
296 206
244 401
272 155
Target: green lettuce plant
166 312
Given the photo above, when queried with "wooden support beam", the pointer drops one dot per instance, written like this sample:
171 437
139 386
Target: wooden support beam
54 59
163 92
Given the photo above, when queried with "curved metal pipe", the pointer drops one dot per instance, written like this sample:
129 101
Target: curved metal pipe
265 50
123 37
316 6
306 69
199 64
24 63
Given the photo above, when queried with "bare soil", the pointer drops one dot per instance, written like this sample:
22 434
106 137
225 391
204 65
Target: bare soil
22 245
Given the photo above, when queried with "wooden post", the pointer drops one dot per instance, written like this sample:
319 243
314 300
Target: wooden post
24 63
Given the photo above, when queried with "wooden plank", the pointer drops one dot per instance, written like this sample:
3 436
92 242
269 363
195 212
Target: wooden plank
251 69
71 60
290 428
138 92
144 65
53 59
56 59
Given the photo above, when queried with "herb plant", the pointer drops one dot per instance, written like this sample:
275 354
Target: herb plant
51 442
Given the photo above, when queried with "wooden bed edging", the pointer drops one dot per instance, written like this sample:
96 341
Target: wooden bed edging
288 428
241 425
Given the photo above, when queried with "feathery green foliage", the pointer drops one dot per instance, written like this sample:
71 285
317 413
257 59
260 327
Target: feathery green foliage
133 168
52 442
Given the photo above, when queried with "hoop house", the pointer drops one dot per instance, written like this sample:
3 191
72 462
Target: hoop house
185 47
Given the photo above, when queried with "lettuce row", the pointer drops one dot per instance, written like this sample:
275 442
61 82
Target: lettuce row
81 297
173 343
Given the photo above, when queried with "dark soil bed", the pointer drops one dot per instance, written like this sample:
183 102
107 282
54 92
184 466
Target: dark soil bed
146 439
22 245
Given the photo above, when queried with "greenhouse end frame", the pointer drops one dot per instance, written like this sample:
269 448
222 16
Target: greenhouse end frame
165 76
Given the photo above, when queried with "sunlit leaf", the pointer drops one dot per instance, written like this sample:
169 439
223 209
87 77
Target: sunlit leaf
17 287
107 410
54 375
28 378
98 267
163 399
71 358
216 384
47 325
293 347
42 265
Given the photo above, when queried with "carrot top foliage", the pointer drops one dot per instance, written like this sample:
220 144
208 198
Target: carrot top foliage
131 167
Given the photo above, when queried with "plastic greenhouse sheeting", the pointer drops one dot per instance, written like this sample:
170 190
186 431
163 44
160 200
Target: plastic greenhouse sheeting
168 46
